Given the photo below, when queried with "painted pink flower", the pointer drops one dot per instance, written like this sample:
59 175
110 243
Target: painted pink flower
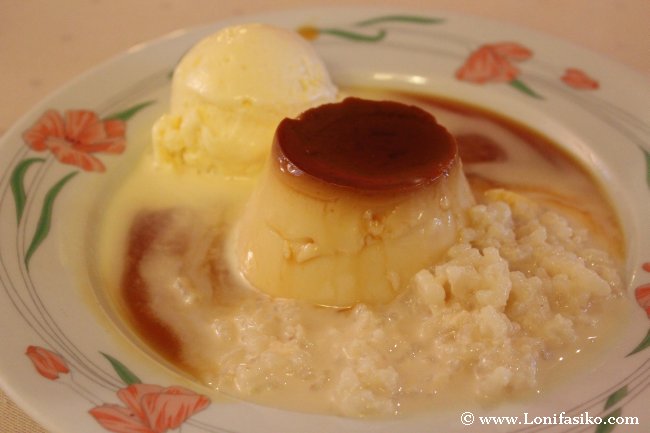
74 138
579 79
49 364
646 266
149 409
493 63
119 419
642 294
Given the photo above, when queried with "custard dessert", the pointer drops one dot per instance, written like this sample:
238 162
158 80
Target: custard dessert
356 198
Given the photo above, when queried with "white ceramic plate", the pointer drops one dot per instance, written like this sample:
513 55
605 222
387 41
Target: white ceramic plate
63 357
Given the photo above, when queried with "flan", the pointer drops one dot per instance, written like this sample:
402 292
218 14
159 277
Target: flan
357 196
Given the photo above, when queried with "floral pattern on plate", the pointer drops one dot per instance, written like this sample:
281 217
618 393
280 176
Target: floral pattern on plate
146 408
38 157
73 139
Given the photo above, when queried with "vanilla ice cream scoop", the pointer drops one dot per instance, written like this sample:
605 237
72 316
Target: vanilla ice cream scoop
230 91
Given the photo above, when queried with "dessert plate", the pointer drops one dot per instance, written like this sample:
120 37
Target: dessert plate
73 367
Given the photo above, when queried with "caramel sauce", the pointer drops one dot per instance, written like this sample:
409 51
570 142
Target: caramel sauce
376 146
146 228
474 148
479 144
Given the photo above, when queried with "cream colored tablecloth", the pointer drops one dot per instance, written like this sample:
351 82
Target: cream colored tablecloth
45 43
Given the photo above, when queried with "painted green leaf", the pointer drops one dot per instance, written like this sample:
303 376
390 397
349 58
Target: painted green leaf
125 374
643 345
45 219
604 426
359 37
615 397
413 19
129 112
647 167
522 87
17 182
